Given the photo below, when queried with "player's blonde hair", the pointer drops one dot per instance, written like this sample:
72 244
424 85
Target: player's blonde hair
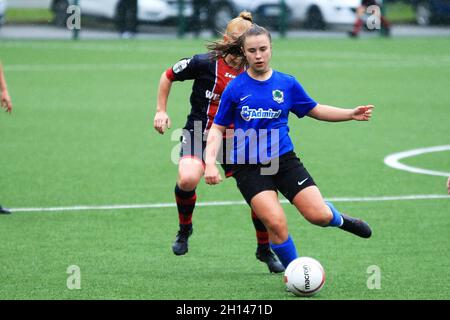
235 28
239 25
222 49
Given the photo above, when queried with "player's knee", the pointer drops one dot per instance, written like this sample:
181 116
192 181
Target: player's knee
278 227
187 182
319 216
320 220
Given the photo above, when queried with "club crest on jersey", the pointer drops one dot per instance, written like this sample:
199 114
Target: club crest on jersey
180 65
278 96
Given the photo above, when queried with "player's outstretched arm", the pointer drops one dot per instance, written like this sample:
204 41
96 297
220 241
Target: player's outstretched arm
334 114
213 143
162 121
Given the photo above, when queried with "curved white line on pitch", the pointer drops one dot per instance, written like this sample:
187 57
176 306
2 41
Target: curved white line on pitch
393 160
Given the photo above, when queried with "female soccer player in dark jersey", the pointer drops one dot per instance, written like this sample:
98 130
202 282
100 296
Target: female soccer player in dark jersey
258 102
362 10
211 73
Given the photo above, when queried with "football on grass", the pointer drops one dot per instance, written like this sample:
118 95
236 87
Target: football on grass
304 276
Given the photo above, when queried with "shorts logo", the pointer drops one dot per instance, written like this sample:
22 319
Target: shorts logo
180 65
278 96
248 114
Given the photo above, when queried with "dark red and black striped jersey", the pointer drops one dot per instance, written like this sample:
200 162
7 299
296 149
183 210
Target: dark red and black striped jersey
210 79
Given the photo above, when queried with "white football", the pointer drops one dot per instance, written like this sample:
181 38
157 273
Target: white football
304 276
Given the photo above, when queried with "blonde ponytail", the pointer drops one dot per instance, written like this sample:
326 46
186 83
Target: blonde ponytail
240 24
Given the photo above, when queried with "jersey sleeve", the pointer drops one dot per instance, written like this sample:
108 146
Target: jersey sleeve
185 69
302 103
225 113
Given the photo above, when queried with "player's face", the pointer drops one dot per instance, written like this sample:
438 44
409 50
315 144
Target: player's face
258 51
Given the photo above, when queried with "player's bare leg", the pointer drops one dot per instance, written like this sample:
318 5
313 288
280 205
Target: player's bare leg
312 206
190 171
268 209
263 252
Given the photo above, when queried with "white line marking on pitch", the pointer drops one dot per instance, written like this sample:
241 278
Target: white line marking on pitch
393 160
224 203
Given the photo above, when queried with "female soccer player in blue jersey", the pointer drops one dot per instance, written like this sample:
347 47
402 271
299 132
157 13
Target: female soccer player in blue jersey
211 73
258 102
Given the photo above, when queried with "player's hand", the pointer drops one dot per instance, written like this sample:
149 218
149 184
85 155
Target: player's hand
212 175
161 121
362 113
6 101
448 185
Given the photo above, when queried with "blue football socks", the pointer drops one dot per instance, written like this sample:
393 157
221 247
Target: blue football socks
285 251
337 220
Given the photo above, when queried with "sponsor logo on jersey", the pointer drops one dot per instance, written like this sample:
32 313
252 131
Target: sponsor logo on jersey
211 95
248 114
278 96
180 65
229 75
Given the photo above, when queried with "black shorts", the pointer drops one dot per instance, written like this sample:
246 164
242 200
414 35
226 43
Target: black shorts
290 179
194 145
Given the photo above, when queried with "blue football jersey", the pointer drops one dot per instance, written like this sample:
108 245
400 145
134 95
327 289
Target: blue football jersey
260 111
